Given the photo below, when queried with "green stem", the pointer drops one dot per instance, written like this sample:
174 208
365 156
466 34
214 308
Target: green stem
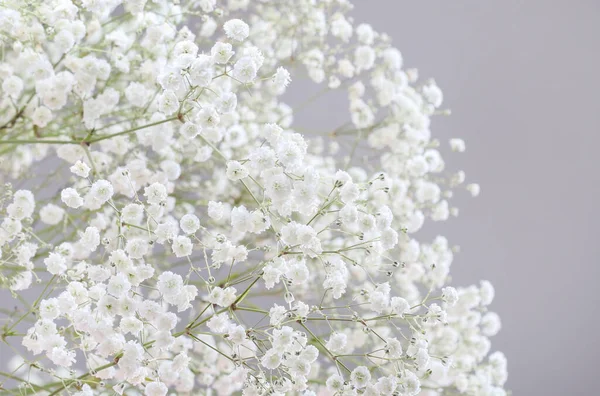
104 137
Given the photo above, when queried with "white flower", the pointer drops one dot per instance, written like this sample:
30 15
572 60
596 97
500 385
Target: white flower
486 292
137 248
277 314
168 102
132 213
22 206
171 169
399 305
271 360
55 263
474 189
245 70
433 94
137 94
49 309
21 281
281 79
389 238
272 132
450 296
169 284
303 235
393 348
120 260
236 29
182 246
221 52
189 223
364 57
412 384
90 239
335 382
340 27
490 324
360 376
422 358
131 325
170 80
241 219
185 52
215 210
13 86
236 171
336 342
387 385
155 193
219 323
222 297
101 191
349 192
189 130
237 335
227 103
181 362
64 40
208 117
155 389
42 116
61 357
118 285
201 71
457 145
71 198
80 169
365 33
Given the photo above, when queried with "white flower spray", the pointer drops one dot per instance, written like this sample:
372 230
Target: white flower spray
195 242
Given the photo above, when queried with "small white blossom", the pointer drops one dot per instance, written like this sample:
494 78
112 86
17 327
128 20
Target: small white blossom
155 193
189 223
236 171
457 145
245 70
182 246
156 389
215 210
80 169
221 52
474 189
168 102
236 29
450 296
13 86
55 263
336 342
101 191
42 116
71 198
360 377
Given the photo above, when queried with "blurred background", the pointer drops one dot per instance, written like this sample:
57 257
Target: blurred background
522 81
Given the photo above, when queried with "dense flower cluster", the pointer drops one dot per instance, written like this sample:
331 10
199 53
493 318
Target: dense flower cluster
186 238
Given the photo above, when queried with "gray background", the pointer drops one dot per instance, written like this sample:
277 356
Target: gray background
522 80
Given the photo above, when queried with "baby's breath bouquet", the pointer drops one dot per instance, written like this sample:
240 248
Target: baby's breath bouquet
166 229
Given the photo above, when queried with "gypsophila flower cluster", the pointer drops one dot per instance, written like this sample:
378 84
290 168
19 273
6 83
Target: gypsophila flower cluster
166 229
